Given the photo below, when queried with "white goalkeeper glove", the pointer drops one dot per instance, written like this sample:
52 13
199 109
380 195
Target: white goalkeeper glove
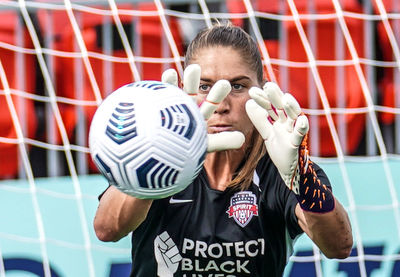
277 117
191 82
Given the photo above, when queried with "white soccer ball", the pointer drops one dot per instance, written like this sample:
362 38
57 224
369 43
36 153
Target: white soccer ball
148 139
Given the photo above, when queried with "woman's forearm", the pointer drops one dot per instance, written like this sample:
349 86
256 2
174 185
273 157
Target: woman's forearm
331 231
118 214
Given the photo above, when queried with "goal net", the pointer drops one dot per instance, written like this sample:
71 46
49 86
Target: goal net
59 59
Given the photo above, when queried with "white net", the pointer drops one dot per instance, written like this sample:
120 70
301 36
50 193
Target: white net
59 59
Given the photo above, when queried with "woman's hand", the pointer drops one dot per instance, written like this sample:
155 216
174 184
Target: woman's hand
277 117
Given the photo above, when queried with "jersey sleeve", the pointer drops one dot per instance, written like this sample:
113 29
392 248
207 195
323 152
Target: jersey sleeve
290 202
279 197
104 191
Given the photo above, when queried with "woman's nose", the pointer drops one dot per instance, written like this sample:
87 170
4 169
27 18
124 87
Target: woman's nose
224 106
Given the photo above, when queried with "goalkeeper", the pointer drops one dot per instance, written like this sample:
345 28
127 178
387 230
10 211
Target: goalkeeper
242 214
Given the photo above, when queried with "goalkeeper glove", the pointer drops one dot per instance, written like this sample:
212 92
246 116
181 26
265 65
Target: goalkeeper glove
191 82
280 122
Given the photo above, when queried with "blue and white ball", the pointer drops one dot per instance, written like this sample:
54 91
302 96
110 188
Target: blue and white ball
148 139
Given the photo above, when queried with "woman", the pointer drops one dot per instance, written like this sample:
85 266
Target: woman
242 213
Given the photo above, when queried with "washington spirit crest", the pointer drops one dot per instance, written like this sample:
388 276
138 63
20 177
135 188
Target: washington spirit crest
243 207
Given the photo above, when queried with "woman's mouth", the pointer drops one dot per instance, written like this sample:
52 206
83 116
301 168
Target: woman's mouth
220 128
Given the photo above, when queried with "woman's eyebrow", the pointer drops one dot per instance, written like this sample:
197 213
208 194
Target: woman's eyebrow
207 80
239 78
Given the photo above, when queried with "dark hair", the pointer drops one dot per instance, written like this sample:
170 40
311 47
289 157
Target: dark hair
230 36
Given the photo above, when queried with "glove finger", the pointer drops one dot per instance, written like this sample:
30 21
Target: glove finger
290 124
170 76
291 106
258 117
260 97
217 93
191 80
300 130
274 95
225 141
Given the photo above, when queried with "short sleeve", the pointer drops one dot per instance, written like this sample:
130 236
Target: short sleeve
101 194
292 222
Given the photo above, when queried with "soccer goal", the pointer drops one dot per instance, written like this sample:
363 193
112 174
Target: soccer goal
59 59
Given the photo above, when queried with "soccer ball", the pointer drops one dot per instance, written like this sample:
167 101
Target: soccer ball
148 139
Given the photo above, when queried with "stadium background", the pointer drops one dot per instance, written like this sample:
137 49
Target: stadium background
60 58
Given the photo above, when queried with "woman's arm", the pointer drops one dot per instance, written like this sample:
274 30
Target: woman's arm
330 231
278 118
118 214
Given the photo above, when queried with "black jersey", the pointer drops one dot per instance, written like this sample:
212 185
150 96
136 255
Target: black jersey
205 232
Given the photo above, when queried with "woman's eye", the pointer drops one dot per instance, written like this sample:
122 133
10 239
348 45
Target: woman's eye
204 88
236 87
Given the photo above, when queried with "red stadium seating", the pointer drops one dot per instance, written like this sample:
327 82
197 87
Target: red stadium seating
66 79
147 28
298 83
151 33
9 155
387 84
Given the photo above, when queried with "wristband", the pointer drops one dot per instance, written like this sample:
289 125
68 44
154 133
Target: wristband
313 196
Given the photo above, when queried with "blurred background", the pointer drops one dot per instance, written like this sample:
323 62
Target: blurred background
59 59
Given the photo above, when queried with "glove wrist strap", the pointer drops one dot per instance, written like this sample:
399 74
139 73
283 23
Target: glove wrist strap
313 196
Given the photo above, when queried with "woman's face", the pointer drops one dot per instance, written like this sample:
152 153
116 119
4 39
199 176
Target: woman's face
226 63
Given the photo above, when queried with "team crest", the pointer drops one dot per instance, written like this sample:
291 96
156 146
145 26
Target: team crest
243 207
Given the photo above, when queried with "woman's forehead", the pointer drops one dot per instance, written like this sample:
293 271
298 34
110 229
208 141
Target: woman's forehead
222 61
215 51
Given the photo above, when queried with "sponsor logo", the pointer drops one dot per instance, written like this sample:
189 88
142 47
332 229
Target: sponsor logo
243 207
178 201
